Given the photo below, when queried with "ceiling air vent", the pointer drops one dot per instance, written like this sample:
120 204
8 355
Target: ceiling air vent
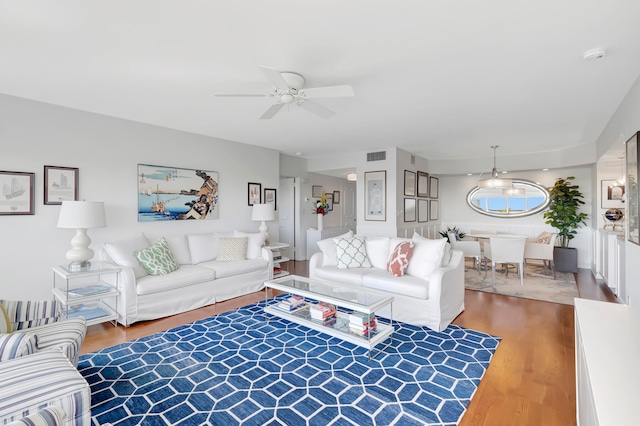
377 156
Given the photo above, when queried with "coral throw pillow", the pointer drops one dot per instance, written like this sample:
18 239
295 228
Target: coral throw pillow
544 238
399 260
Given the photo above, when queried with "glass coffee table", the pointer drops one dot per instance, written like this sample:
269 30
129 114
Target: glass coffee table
349 299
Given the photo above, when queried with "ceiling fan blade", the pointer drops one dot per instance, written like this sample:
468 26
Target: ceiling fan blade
274 77
328 92
273 110
316 109
242 95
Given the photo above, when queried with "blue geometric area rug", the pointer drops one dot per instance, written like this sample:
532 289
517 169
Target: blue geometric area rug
237 368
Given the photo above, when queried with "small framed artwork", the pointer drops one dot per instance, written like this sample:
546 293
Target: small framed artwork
423 210
316 191
433 187
375 201
330 201
255 193
423 184
433 209
409 209
270 197
60 184
17 193
336 197
409 183
611 196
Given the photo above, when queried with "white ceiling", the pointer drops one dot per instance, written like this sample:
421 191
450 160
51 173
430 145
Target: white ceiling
440 78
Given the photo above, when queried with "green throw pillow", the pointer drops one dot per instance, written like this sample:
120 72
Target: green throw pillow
157 259
351 253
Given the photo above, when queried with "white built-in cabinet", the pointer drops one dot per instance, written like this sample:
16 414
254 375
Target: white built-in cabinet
610 261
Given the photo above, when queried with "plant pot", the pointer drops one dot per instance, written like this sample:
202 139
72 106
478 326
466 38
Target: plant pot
565 259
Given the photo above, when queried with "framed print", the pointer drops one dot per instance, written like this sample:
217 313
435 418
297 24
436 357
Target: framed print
336 197
612 194
631 208
316 191
423 210
172 193
423 184
409 183
375 201
60 184
433 209
433 187
17 193
255 193
270 197
409 209
329 197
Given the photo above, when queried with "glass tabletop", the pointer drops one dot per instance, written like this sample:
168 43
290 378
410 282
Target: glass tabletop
346 295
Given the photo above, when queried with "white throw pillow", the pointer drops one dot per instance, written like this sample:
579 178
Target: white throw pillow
446 253
426 257
255 241
328 249
203 247
232 249
377 251
179 246
351 253
122 252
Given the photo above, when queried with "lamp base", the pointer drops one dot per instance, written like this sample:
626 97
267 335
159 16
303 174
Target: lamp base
79 266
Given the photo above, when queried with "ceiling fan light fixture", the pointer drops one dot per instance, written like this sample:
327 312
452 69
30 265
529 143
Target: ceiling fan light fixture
286 98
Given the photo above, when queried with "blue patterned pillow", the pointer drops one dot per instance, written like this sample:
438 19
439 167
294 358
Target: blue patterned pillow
157 259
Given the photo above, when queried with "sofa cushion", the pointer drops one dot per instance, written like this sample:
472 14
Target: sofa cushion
225 269
351 253
446 253
406 285
343 276
399 259
255 241
14 345
377 251
232 249
184 276
122 252
179 246
426 257
202 247
157 259
328 249
544 238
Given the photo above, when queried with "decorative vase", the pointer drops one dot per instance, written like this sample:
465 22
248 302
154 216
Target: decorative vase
320 216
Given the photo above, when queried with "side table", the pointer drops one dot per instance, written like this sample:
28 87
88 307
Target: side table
278 259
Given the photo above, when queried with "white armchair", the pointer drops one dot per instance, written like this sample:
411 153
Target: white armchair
468 248
542 251
505 250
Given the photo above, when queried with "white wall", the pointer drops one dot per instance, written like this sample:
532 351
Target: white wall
107 150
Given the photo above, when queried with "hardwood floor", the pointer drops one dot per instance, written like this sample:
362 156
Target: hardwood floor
530 381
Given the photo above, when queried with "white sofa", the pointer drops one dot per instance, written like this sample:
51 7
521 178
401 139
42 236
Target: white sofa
431 293
200 279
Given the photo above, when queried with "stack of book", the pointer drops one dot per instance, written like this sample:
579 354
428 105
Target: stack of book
276 255
291 304
324 313
362 324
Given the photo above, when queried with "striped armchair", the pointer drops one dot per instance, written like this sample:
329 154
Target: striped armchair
38 326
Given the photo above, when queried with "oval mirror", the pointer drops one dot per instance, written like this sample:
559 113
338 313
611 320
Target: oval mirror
524 198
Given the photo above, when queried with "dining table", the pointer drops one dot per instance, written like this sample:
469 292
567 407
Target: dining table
489 236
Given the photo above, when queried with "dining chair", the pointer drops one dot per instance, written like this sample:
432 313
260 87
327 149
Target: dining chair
505 251
542 251
468 248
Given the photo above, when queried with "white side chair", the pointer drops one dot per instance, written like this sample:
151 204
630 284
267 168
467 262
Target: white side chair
505 250
468 248
542 251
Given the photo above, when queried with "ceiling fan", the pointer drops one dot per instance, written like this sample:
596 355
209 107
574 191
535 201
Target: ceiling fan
288 89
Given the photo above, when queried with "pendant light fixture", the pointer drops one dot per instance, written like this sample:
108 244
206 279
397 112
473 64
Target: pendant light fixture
495 181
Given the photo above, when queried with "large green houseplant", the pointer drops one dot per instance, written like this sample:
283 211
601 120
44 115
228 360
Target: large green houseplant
563 214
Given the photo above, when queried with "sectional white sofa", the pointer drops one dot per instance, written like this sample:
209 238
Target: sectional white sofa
431 293
200 279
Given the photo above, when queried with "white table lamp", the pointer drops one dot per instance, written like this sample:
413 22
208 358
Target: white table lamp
81 215
264 213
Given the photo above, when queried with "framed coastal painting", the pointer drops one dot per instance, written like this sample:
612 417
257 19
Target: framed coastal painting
409 183
270 197
375 201
17 193
423 184
60 184
255 193
172 193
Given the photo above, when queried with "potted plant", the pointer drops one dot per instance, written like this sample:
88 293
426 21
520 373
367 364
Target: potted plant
459 234
562 213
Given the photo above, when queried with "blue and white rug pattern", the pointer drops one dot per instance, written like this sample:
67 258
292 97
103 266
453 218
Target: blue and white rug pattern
236 368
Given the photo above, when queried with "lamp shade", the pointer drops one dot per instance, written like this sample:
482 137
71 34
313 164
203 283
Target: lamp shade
82 214
263 212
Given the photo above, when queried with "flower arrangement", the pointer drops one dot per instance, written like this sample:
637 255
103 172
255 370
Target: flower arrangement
321 206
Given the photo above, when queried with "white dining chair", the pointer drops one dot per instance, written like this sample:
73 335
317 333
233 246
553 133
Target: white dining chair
468 248
505 251
542 251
